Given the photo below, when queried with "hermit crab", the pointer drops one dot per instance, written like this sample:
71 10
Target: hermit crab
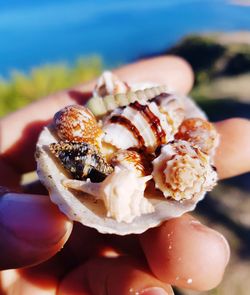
129 159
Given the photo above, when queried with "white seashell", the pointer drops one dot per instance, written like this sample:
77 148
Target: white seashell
139 125
183 172
108 83
172 106
122 193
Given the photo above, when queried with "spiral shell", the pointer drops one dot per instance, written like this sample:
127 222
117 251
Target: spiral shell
100 106
77 123
108 84
183 172
199 132
140 125
130 160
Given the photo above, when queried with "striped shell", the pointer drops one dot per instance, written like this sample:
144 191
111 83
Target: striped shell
140 124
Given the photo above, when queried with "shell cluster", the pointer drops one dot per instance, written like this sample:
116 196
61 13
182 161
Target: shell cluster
123 140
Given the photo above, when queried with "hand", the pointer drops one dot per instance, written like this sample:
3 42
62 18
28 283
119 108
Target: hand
180 252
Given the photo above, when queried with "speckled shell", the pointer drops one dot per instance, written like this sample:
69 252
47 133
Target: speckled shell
199 132
77 123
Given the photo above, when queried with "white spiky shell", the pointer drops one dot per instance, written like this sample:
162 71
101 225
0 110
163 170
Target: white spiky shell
90 211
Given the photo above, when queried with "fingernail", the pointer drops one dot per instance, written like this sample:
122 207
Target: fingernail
33 219
226 246
154 291
202 228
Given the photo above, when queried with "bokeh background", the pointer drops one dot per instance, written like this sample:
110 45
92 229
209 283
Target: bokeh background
51 45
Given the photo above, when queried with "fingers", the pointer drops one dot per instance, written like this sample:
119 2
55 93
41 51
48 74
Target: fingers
232 155
172 71
112 276
20 130
185 253
31 228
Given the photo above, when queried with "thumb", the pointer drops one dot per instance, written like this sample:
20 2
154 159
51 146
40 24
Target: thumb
31 230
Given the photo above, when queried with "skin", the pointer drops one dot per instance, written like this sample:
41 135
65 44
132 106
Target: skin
33 230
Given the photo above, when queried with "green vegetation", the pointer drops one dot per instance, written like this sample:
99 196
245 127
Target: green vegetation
22 89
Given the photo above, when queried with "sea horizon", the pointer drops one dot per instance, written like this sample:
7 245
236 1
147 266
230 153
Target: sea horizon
34 33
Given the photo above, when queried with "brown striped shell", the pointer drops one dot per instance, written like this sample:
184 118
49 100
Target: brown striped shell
139 125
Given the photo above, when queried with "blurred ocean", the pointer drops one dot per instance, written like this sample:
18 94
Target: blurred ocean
34 32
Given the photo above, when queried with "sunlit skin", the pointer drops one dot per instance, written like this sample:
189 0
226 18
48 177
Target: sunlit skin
181 252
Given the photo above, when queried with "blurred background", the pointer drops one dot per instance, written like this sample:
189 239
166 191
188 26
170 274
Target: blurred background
50 45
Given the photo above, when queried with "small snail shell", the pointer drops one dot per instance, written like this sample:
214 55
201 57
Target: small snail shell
108 84
77 123
183 172
199 132
130 160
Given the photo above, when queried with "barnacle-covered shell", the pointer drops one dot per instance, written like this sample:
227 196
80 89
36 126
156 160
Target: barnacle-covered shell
122 193
140 125
199 132
183 172
108 84
81 160
77 123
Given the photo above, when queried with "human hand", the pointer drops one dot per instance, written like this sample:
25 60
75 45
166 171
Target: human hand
180 252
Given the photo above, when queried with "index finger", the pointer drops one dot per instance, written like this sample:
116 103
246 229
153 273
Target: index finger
19 131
